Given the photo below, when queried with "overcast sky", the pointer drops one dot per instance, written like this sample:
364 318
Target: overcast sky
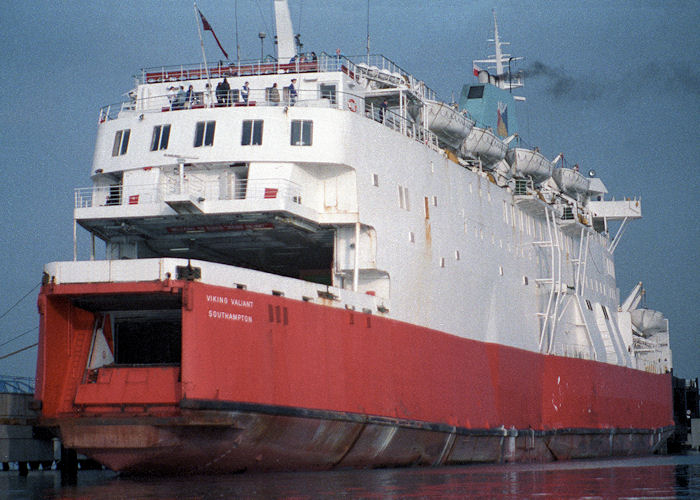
615 85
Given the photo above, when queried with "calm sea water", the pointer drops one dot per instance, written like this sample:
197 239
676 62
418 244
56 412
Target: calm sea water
650 477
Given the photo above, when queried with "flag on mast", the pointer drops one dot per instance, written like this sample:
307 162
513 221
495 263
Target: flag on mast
207 27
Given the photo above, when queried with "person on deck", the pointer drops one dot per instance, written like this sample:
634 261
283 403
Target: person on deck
274 95
207 96
292 92
382 110
222 92
189 96
172 94
180 98
245 92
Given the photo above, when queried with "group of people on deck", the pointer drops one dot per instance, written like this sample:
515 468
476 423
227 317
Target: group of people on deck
223 95
180 98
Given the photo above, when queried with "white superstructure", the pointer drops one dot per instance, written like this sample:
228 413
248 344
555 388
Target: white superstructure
363 182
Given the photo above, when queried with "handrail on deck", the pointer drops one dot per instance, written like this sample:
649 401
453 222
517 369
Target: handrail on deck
246 189
254 67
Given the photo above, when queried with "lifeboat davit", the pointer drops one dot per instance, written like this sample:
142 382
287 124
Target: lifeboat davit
529 163
483 143
648 322
451 126
570 181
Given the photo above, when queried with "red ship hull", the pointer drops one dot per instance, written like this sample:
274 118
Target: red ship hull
266 382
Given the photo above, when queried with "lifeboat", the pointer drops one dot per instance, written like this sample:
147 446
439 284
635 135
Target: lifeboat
451 126
529 163
483 143
570 181
648 322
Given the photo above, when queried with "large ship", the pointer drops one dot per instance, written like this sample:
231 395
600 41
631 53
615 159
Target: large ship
314 262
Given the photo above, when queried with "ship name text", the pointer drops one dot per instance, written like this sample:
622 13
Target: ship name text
220 299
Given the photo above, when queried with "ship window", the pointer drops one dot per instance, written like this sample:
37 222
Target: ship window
476 92
204 134
403 198
161 136
411 237
375 180
121 142
252 133
327 92
302 132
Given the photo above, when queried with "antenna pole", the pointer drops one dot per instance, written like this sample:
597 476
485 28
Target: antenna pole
238 46
367 31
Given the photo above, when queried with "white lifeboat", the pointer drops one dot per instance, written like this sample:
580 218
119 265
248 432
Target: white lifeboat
529 163
570 181
447 123
648 322
483 143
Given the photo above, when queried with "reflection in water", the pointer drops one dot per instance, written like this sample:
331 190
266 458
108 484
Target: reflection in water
650 477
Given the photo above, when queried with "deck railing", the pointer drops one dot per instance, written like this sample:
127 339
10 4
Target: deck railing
376 65
243 189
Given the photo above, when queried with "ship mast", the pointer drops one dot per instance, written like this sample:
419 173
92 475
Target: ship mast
285 32
497 42
504 79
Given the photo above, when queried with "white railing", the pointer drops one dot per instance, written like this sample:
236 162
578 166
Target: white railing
197 71
376 65
118 195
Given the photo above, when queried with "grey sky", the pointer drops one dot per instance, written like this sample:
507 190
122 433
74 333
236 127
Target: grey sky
613 85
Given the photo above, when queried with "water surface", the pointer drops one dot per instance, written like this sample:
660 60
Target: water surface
648 477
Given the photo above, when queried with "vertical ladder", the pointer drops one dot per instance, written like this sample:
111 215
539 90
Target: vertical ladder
610 351
580 262
549 322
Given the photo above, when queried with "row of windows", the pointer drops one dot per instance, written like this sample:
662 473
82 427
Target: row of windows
252 135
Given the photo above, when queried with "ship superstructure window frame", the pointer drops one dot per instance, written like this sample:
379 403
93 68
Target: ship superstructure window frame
475 92
121 142
302 132
161 137
327 91
204 133
252 133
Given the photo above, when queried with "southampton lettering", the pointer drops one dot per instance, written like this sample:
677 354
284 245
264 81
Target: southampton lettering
230 316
